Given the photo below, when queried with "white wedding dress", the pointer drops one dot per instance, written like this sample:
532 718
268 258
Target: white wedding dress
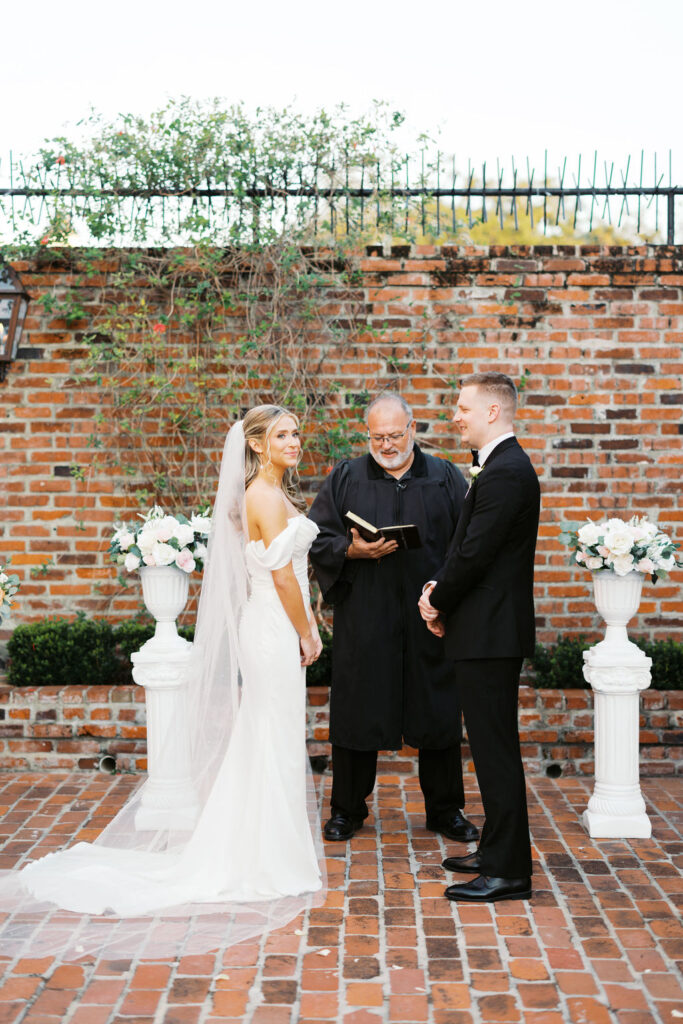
255 850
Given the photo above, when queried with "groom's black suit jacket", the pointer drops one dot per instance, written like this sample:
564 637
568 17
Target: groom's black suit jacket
485 588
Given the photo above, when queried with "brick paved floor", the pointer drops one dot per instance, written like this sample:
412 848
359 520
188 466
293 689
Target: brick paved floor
600 941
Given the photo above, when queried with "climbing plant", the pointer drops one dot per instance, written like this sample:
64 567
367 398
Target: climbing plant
188 319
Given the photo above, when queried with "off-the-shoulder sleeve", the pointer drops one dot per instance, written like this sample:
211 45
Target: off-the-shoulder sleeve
279 552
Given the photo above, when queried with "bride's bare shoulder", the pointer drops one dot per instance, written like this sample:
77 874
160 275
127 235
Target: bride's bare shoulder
261 496
266 510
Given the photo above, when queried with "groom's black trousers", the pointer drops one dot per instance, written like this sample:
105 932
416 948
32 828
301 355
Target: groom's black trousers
488 693
354 772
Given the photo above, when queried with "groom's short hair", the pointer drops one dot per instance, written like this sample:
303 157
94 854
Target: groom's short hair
498 384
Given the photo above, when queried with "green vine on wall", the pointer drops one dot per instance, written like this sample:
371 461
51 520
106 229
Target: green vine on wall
181 336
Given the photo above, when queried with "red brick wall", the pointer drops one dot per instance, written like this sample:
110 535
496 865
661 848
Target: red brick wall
72 728
595 332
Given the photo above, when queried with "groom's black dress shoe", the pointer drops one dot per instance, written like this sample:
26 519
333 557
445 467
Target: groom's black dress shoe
341 827
489 890
454 826
471 863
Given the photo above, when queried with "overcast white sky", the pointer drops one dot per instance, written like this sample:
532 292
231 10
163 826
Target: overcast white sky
499 78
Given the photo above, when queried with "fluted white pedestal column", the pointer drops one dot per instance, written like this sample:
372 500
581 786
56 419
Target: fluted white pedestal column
617 671
161 665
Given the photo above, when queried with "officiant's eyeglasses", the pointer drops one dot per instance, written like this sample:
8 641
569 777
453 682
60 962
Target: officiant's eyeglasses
392 438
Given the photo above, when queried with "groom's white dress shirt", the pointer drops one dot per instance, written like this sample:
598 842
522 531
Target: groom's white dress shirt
488 448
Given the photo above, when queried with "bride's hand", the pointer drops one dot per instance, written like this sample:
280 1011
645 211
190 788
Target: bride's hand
311 647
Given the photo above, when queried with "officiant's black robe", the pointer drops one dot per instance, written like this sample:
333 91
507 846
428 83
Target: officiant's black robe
390 681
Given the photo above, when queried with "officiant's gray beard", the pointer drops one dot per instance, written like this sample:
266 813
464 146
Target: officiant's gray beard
394 461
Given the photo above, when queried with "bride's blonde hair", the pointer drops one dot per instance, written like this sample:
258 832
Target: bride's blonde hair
258 425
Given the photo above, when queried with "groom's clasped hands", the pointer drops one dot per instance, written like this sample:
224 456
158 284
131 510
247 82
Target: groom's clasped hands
431 615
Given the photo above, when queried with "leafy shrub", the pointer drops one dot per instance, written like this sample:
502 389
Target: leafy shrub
667 663
57 652
560 666
61 652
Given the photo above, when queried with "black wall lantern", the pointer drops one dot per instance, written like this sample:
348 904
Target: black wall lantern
13 307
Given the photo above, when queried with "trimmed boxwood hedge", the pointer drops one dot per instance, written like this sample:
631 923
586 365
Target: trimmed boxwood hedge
60 652
560 667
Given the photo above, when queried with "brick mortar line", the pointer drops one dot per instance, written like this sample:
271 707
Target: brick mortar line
385 969
341 986
415 864
672 964
255 999
577 945
636 983
306 923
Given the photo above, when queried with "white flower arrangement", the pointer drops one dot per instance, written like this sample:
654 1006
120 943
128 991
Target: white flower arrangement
622 547
162 539
9 584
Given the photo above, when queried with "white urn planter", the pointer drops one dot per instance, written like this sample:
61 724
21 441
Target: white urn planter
168 799
617 671
164 591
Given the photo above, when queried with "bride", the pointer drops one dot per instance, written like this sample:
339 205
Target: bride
254 857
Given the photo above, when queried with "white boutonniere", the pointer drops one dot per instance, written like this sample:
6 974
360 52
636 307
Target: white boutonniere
475 471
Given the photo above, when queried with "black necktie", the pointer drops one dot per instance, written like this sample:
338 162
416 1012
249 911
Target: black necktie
475 457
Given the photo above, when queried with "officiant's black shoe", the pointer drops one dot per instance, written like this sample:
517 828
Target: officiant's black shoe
341 827
484 889
470 864
454 826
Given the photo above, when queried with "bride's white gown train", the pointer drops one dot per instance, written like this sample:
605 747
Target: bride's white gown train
254 839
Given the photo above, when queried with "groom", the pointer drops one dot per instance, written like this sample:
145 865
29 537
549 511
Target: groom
481 602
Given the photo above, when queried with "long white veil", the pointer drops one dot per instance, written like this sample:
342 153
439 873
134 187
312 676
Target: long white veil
29 927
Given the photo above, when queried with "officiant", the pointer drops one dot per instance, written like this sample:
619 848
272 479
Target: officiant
390 684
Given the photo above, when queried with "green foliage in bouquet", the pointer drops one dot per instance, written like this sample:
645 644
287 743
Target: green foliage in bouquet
9 585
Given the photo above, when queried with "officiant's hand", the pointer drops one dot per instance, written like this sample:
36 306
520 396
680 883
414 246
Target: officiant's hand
359 548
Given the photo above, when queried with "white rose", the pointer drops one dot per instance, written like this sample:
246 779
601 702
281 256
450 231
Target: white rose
201 524
125 538
667 563
185 561
645 565
3 577
638 533
589 534
184 534
623 564
165 528
147 540
580 557
200 551
148 559
619 540
132 562
594 562
163 554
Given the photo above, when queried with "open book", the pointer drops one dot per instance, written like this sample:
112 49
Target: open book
407 536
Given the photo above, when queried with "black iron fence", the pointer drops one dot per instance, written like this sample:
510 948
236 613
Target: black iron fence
410 197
